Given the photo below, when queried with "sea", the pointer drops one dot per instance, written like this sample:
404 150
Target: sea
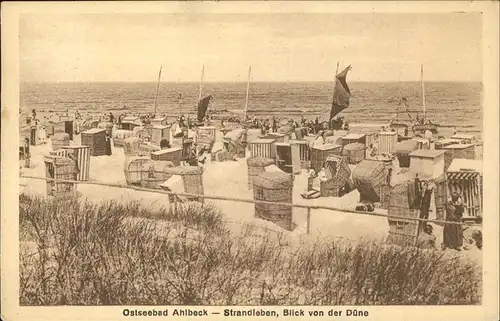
450 105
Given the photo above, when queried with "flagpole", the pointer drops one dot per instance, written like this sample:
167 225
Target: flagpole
201 82
423 87
248 89
157 90
337 70
201 89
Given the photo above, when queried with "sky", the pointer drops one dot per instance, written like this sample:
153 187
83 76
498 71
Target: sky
279 47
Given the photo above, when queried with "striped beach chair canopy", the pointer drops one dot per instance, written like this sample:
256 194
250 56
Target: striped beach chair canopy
464 169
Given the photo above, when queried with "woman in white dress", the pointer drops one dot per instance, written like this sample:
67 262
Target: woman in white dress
320 140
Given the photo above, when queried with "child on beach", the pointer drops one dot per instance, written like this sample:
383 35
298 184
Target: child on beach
42 135
427 240
310 179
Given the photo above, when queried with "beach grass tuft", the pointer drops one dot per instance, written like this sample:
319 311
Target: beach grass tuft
74 252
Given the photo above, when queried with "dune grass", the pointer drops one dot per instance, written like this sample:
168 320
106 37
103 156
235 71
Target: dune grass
79 253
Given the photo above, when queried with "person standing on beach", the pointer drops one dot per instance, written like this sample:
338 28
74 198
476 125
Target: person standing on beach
425 202
428 136
266 126
120 121
26 152
453 233
182 120
108 144
275 125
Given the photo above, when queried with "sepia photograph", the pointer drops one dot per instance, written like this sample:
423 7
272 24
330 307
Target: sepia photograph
251 159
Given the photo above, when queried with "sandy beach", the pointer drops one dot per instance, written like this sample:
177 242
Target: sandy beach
226 179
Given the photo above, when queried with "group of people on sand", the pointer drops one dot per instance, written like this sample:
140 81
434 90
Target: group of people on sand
267 125
314 126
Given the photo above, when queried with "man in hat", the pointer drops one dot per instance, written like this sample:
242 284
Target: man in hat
427 240
453 233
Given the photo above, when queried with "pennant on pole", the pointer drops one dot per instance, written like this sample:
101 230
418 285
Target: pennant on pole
341 93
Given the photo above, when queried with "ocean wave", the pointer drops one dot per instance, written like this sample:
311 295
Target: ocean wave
448 104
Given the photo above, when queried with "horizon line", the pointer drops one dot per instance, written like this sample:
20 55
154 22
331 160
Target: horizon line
244 82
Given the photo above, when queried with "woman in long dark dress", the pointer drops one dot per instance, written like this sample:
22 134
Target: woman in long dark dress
425 203
453 233
108 145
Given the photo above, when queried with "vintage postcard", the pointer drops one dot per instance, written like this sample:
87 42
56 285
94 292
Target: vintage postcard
241 160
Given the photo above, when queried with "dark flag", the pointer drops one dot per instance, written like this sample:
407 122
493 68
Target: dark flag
341 93
202 107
